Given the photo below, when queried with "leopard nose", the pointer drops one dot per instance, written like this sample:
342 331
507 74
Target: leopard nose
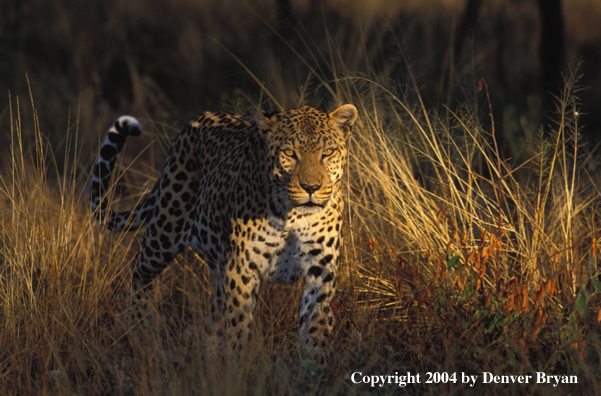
310 188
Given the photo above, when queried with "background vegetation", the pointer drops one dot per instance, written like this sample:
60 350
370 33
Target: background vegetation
472 229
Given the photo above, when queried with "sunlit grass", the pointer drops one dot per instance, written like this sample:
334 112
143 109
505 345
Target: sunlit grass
454 261
455 258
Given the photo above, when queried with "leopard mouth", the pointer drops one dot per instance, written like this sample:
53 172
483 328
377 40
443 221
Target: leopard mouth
308 202
311 204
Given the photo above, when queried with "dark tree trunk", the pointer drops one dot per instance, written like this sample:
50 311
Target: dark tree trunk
471 13
552 46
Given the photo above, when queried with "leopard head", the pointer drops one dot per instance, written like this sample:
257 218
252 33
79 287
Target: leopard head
306 152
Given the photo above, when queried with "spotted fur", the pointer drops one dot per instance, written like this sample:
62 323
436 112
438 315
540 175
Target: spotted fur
258 201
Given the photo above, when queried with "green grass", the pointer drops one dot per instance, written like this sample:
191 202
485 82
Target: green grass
465 250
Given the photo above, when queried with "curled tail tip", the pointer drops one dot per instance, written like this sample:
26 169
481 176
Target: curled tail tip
127 126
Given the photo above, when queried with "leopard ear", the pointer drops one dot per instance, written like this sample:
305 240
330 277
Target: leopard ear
265 121
344 117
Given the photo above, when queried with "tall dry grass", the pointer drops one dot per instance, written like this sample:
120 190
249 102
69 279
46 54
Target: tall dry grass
441 184
456 258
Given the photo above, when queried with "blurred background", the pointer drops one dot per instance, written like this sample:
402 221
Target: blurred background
85 62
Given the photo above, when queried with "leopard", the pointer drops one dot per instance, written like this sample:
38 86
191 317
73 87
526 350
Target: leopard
259 200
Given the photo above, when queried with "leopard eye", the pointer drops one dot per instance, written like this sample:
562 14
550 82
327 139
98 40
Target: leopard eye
328 152
289 153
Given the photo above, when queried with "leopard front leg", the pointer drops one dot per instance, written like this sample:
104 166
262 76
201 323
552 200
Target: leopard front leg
316 317
241 288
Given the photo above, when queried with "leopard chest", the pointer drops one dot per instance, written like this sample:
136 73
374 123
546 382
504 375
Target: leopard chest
282 251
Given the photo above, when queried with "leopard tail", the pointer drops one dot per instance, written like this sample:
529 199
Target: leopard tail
101 175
